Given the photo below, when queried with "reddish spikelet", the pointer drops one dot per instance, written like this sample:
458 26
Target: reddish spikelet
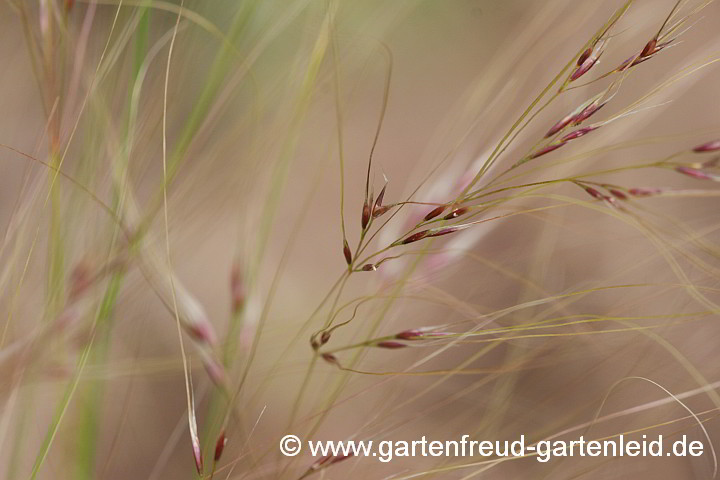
587 113
618 194
644 191
444 231
578 133
455 213
326 461
197 456
202 332
610 201
365 215
435 212
419 333
649 49
415 237
594 193
347 252
560 125
547 149
583 69
330 358
220 445
325 337
391 345
379 211
379 199
712 146
369 267
409 334
692 172
237 289
584 56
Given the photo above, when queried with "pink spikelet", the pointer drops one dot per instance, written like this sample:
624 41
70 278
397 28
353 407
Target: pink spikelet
547 149
712 146
435 212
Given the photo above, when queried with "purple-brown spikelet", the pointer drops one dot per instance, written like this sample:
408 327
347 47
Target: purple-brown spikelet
346 252
444 231
692 172
649 49
369 267
587 112
584 56
415 237
456 213
324 337
435 212
327 460
560 125
391 345
578 133
379 199
547 149
594 193
220 445
409 334
379 211
365 219
588 59
712 146
198 457
644 191
202 332
618 193
420 333
330 358
583 69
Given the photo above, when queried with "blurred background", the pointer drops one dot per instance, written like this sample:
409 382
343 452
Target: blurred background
569 317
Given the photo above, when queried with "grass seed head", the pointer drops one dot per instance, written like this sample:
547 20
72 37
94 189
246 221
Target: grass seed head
650 48
456 213
435 212
365 219
220 445
619 194
390 344
692 172
644 191
415 237
379 199
712 146
369 267
578 133
330 358
379 211
594 193
346 252
584 56
547 149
